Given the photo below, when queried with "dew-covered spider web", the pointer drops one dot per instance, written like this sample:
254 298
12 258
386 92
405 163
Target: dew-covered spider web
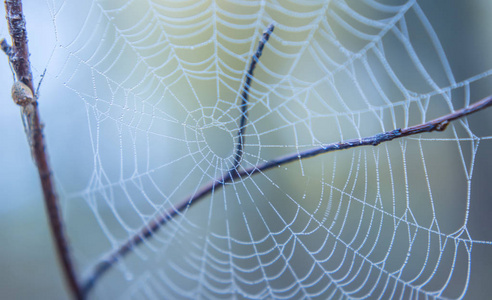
145 99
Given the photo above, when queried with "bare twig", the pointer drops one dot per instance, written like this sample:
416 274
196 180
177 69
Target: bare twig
6 48
22 93
438 124
245 93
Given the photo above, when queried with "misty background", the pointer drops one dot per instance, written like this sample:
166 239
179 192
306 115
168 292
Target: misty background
27 260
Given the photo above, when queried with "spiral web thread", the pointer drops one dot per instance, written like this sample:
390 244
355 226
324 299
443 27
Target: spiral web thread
159 85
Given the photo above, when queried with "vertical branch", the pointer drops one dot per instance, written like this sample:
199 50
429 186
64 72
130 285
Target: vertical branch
245 93
22 93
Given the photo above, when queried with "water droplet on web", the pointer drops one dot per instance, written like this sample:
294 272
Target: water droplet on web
128 276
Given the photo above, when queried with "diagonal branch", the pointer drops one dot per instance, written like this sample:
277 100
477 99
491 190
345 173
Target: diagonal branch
245 93
152 227
22 94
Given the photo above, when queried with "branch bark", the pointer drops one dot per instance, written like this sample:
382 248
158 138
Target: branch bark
152 227
245 94
23 95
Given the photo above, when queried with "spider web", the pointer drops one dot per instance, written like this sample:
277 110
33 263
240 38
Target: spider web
147 111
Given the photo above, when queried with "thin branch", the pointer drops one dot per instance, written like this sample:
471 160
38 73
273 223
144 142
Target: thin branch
152 227
22 93
6 48
245 93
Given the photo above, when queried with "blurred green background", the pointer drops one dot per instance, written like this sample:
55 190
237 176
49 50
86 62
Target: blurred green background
27 262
